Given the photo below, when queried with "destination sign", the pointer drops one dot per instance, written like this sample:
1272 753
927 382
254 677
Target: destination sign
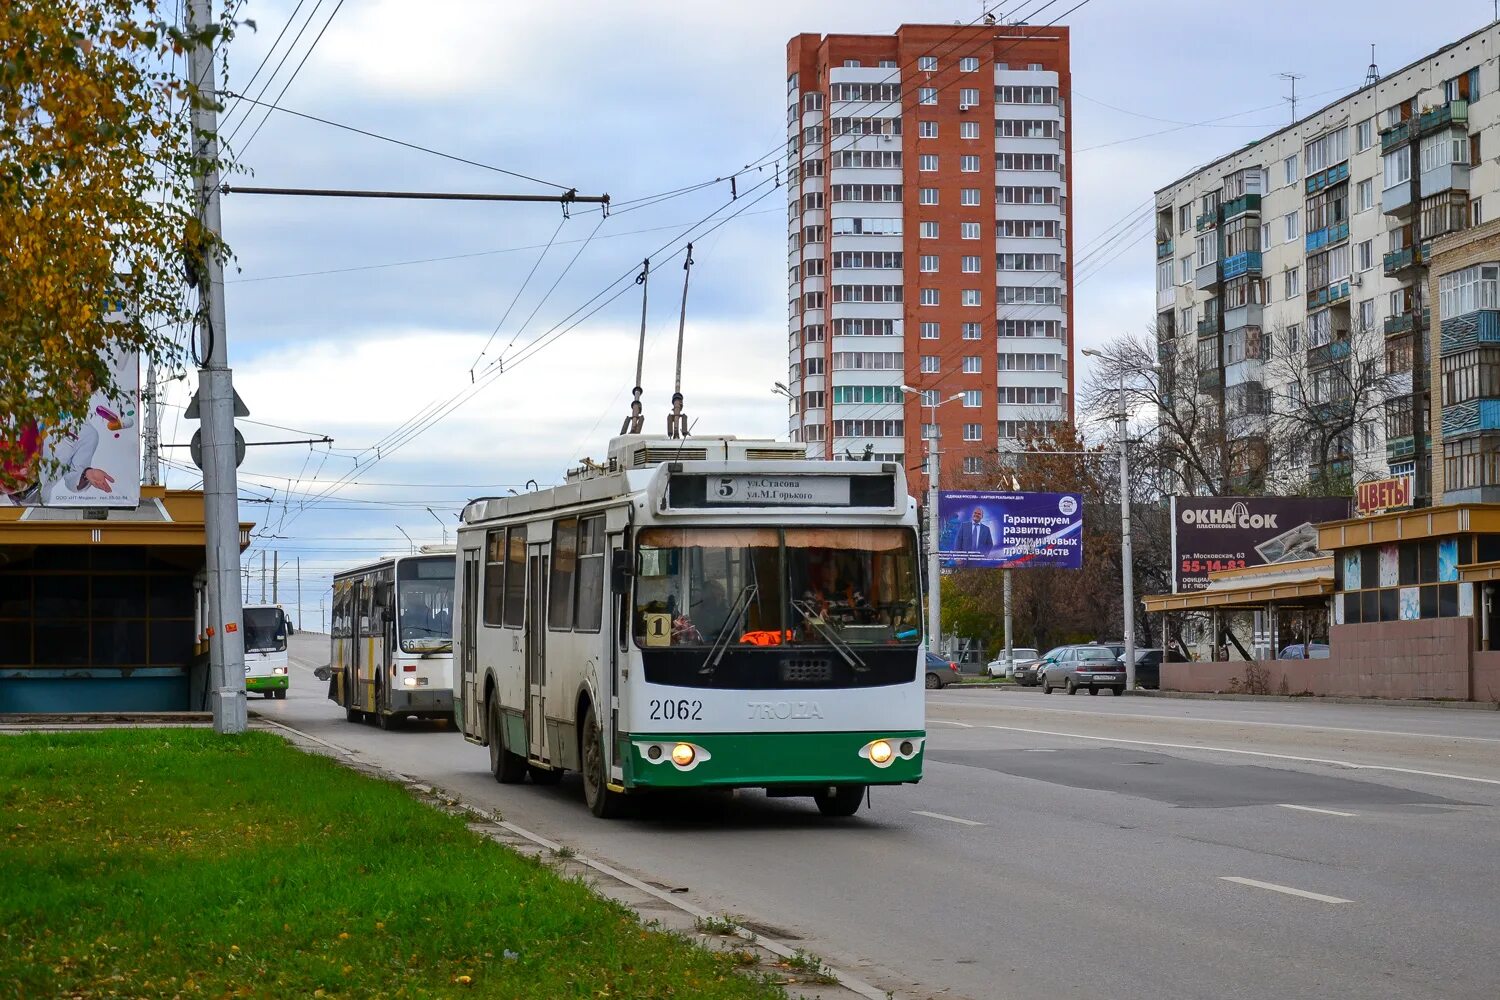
778 491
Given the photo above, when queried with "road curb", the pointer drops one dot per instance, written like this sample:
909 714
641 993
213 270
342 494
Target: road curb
1314 699
652 906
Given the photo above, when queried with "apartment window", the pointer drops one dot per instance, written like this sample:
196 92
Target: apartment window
927 64
1367 314
1365 255
926 95
1289 169
1400 304
1293 281
813 366
1327 150
1185 272
968 196
851 64
1293 338
967 230
968 97
968 64
1364 134
1184 218
929 297
930 364
1265 236
1476 214
1364 195
1208 248
971 331
971 265
928 263
926 130
973 432
927 230
1397 166
972 366
973 465
927 162
968 164
1293 228
971 296
1474 287
928 196
929 331
1187 319
887 64
968 130
929 398
973 398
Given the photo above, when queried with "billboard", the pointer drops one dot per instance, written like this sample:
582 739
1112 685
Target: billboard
1010 530
93 463
1210 534
1380 495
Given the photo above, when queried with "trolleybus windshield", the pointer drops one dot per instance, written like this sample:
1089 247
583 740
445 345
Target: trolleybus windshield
265 630
708 587
424 600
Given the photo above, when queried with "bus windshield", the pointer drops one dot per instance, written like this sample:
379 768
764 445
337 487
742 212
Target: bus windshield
424 601
265 630
776 586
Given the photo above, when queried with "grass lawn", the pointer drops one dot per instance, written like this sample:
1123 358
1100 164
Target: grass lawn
180 863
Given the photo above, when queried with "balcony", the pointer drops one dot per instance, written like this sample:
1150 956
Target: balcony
1397 200
1327 178
1241 263
1327 236
1401 448
1210 380
1471 416
1163 249
1394 136
1449 177
1207 275
1461 333
1241 316
1338 291
1241 205
1208 326
1317 298
1451 113
1397 325
1399 260
1207 220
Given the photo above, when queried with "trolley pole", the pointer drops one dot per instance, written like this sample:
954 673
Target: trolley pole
216 403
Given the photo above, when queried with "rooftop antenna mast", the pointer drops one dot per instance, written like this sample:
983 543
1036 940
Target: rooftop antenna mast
1372 75
677 421
1293 77
633 422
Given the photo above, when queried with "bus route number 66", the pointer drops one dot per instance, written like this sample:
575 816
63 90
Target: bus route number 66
680 710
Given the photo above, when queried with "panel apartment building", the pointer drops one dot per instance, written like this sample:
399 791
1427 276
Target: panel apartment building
928 220
1316 239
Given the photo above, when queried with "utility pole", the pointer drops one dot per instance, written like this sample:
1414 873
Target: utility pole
276 577
262 576
1010 656
150 433
1127 561
299 593
322 616
216 401
934 569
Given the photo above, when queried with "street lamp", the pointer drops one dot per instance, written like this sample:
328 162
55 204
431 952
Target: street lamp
409 542
1127 563
441 523
934 597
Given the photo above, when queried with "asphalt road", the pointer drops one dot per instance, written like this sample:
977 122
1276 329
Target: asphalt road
1079 847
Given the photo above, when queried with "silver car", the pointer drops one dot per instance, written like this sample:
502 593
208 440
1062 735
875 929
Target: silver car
1091 668
1019 656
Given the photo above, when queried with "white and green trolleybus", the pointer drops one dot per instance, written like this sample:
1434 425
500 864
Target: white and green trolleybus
713 612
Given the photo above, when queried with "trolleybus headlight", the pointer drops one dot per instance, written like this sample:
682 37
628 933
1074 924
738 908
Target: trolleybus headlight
410 682
907 749
278 670
654 752
880 752
683 754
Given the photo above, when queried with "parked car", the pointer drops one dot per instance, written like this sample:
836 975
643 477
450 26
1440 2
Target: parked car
1315 651
1028 674
940 672
1117 648
1090 667
1147 667
1019 655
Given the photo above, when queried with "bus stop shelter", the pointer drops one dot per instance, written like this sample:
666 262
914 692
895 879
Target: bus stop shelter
1283 603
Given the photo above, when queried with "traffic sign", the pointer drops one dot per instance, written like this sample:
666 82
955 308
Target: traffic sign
240 409
195 448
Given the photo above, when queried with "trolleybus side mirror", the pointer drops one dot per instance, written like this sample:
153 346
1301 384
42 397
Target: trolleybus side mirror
620 571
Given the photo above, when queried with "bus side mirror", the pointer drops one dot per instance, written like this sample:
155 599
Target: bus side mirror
620 571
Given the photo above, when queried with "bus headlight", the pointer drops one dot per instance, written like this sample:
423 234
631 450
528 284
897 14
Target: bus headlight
410 682
683 754
882 754
279 671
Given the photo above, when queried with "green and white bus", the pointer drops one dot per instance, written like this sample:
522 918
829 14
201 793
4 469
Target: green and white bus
713 612
266 633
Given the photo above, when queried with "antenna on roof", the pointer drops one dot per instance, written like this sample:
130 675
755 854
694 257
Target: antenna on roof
1372 75
1294 77
636 418
677 421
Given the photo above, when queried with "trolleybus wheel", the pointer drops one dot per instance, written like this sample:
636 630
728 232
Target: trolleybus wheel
508 768
840 800
544 775
353 714
601 801
389 721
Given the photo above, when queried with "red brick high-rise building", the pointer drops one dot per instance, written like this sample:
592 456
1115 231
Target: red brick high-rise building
929 243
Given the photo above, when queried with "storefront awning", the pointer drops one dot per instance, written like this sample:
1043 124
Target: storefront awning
1479 572
1306 581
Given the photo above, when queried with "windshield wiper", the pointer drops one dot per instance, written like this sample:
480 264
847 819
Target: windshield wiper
731 626
834 639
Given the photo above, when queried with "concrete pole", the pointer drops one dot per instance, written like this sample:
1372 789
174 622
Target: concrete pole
216 403
1010 656
1126 560
276 577
299 593
262 576
150 433
934 571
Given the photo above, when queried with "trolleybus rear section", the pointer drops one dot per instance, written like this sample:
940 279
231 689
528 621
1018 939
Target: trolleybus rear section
391 645
739 618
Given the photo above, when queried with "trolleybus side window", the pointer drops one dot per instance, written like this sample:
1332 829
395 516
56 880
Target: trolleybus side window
577 579
494 575
590 602
515 577
564 565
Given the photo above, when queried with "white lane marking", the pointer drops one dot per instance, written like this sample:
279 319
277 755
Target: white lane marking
1170 717
950 722
1314 809
951 819
1255 753
1286 889
1039 750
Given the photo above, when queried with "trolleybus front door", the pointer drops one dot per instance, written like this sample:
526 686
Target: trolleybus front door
536 657
470 634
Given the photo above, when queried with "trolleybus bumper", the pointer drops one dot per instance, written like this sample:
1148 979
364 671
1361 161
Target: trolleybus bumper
770 760
273 683
436 703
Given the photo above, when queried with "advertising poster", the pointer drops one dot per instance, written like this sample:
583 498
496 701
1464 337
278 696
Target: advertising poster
1010 530
1210 534
93 463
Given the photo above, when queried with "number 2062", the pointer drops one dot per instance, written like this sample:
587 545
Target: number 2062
682 709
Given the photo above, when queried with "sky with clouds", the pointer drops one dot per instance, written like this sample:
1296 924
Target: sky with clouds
364 320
